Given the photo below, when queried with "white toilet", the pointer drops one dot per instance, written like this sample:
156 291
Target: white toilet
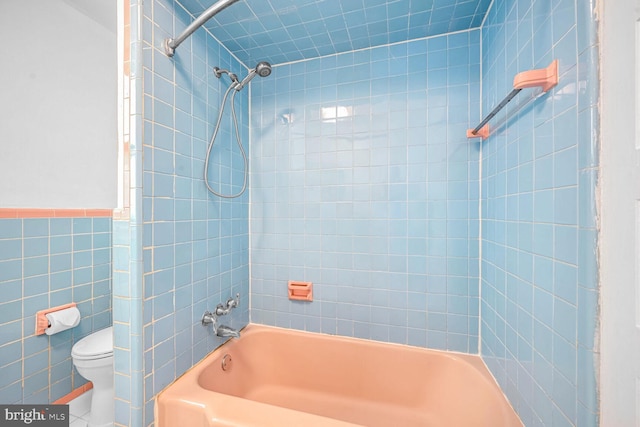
93 358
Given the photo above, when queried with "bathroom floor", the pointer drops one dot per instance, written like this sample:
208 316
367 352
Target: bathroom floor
79 410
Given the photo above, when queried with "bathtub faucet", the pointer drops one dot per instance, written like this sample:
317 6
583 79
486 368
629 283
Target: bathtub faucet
209 318
227 331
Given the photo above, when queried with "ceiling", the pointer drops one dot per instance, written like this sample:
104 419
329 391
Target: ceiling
101 11
281 31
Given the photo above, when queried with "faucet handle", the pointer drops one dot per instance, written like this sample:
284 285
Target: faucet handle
234 302
222 309
208 318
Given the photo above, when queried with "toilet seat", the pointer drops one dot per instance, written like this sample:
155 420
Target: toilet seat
97 345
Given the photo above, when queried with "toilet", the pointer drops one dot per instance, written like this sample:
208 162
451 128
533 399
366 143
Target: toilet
93 358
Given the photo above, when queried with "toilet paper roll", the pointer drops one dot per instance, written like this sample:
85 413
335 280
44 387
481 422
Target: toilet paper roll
62 320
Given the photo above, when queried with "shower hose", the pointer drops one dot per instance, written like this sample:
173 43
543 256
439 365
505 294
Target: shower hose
213 140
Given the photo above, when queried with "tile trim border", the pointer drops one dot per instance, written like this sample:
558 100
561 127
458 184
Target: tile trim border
75 393
53 213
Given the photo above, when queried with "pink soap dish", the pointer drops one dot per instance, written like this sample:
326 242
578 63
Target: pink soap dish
301 291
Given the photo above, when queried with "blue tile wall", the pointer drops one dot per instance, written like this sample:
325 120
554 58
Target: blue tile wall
281 31
539 295
363 182
46 262
127 244
183 251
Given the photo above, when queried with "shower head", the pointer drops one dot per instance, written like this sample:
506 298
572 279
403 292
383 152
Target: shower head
263 69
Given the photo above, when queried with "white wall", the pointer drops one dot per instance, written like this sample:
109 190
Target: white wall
58 111
619 233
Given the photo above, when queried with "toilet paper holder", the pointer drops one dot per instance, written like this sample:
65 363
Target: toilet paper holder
42 322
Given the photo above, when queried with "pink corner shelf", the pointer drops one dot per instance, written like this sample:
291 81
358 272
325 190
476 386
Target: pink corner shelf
545 78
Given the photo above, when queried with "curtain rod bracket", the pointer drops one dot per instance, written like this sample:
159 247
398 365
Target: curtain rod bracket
168 49
170 44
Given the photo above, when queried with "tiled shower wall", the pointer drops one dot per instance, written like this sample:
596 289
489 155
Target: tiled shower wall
364 183
47 262
194 245
539 275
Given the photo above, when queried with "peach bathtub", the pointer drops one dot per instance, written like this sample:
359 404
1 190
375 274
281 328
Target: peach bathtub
284 378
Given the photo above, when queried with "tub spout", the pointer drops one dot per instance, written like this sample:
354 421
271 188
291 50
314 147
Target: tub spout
227 331
209 318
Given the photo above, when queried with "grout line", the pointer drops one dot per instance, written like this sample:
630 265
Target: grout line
485 17
480 198
249 203
377 46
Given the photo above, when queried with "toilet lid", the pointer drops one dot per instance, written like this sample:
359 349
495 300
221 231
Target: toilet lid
97 345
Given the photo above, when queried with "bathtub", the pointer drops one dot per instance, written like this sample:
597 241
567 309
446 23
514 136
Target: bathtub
285 378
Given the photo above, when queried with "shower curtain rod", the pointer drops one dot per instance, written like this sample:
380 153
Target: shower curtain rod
545 78
170 44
